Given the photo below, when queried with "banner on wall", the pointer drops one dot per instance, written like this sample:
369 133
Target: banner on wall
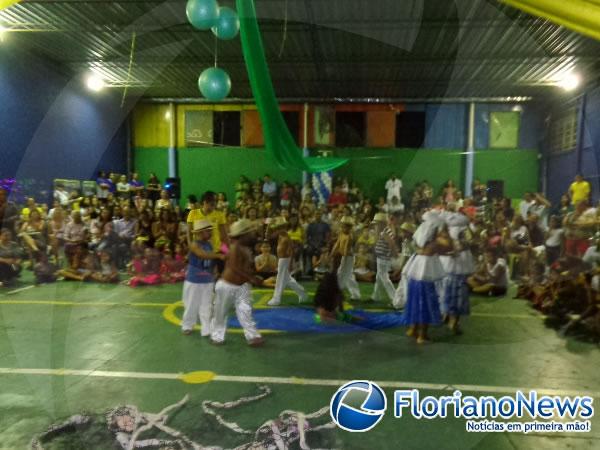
199 128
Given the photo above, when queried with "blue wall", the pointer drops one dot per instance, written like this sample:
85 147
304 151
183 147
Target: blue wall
447 124
562 168
52 126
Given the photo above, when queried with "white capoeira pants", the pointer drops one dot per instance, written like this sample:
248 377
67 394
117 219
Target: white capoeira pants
285 279
346 279
382 280
197 301
240 297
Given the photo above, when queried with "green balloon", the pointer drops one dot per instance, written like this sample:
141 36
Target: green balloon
202 14
214 84
228 24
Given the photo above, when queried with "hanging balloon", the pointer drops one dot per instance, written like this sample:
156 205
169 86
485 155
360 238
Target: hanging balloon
214 84
202 14
228 24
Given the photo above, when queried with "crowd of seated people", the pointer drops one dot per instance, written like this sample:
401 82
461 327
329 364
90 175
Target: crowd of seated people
128 226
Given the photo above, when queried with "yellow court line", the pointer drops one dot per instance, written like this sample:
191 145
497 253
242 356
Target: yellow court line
91 304
260 304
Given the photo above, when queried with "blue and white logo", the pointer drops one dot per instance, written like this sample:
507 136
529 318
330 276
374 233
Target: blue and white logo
358 406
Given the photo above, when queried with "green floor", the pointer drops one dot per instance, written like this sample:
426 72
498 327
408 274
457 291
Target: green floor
505 344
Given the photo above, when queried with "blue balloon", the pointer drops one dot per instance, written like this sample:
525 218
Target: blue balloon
228 24
214 84
202 14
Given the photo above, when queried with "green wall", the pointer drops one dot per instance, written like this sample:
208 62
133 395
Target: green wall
148 160
218 169
210 168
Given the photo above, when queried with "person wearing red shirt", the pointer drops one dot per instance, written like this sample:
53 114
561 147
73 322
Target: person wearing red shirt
337 198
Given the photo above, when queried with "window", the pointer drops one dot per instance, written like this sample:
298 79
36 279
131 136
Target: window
410 129
292 120
350 129
563 131
198 128
226 128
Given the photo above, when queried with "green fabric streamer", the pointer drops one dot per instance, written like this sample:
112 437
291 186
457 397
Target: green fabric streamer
280 145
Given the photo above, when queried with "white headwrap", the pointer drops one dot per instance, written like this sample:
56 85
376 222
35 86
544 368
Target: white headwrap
457 223
428 229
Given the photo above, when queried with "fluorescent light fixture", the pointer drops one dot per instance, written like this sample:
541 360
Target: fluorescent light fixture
569 81
95 83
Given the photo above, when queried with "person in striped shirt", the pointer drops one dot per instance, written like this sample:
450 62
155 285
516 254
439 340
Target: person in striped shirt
385 249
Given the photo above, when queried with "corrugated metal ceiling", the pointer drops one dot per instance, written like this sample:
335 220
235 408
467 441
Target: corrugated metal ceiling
333 48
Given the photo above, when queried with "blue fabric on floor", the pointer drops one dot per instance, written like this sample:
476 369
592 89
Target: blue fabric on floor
302 320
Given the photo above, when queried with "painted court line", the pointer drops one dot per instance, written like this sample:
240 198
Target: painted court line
294 381
20 289
258 305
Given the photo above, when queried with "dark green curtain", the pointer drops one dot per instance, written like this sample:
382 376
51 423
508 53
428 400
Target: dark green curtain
280 146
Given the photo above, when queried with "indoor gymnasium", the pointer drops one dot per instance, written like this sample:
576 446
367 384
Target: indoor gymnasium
299 224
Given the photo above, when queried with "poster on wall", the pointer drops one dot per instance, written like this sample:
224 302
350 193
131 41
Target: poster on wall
198 128
324 125
504 129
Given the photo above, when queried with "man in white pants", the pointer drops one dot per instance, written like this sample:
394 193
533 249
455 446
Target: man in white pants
385 249
199 284
285 252
234 288
343 251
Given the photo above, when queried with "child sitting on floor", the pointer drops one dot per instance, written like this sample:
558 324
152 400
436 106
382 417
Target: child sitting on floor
108 272
81 267
44 271
146 270
266 265
172 270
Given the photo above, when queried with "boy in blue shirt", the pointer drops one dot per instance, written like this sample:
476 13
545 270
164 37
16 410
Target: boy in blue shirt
199 284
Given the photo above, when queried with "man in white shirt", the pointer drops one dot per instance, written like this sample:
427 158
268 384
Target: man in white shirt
61 194
393 188
525 205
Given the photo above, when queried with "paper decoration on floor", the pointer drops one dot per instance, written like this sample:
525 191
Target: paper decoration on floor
127 425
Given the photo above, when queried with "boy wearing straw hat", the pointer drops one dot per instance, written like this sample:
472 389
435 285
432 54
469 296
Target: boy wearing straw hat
285 251
233 289
343 252
199 283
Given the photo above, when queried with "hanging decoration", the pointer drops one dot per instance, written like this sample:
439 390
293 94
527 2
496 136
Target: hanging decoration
280 145
202 14
214 84
228 24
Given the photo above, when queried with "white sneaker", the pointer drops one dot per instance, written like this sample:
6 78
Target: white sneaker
274 302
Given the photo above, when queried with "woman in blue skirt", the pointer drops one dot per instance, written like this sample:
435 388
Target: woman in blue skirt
422 272
459 265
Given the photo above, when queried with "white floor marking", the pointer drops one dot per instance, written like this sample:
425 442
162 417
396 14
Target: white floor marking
296 381
20 289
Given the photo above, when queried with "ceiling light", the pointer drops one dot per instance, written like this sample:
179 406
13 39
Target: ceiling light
95 83
569 81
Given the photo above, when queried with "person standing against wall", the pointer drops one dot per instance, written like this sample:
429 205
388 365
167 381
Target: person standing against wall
393 186
579 190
